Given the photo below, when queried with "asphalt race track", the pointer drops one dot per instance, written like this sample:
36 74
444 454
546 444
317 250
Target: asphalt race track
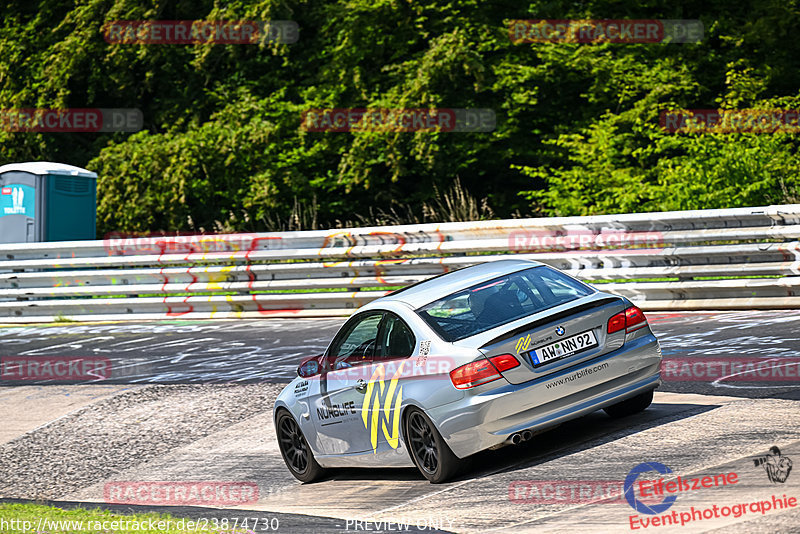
190 403
250 351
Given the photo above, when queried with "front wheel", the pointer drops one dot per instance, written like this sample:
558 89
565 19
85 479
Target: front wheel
430 453
630 406
295 450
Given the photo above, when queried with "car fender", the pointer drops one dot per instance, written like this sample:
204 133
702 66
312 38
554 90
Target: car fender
297 407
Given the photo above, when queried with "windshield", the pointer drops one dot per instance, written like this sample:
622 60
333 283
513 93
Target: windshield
500 301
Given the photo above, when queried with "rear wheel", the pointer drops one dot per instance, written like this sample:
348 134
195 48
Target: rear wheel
295 450
430 453
630 406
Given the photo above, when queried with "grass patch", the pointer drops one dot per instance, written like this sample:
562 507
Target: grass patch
676 279
626 280
27 518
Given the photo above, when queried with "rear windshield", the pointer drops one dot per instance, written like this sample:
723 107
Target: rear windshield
500 301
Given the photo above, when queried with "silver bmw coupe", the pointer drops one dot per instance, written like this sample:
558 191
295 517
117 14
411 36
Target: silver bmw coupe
470 360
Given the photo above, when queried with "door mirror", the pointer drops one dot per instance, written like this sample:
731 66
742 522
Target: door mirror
309 367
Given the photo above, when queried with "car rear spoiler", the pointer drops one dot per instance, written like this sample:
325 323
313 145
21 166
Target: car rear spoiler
554 317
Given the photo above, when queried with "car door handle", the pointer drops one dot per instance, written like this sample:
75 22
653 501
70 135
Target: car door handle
361 386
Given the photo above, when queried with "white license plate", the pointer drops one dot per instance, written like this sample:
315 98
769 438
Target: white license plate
564 347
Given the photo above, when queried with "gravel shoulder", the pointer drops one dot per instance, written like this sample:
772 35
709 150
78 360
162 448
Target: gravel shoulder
99 441
25 408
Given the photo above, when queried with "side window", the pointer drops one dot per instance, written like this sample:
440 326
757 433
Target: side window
396 339
356 345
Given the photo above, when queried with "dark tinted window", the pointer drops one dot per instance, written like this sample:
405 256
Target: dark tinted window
396 339
356 344
499 301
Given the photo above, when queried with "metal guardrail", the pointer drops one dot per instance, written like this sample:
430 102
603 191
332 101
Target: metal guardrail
658 260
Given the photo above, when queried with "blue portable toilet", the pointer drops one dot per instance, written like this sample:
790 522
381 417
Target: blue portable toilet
44 201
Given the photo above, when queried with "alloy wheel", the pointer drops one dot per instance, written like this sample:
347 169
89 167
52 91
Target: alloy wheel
423 442
293 444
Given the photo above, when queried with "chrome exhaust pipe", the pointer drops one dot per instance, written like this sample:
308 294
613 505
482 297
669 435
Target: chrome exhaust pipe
516 439
526 435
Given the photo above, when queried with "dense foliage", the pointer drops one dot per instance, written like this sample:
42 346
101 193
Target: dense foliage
577 124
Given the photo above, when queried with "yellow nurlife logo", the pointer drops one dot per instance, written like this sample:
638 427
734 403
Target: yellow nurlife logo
384 409
523 343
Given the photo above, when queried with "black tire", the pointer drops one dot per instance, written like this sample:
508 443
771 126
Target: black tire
295 450
427 448
630 406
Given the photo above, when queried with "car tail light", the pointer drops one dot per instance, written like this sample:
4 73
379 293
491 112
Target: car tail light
616 323
634 317
630 320
474 374
482 371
